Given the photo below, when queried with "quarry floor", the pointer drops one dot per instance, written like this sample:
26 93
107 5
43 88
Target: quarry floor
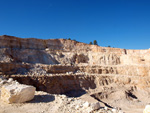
50 103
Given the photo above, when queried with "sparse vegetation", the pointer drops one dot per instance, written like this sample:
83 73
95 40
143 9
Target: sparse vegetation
95 42
91 43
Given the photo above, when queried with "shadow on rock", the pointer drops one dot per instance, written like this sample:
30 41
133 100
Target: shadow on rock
42 99
75 93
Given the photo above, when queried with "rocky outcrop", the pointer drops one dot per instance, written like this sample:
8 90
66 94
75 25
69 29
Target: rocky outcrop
14 68
53 69
64 83
126 70
58 84
104 59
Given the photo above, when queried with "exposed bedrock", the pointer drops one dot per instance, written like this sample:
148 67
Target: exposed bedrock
25 68
63 83
14 68
130 70
32 56
62 51
58 84
59 66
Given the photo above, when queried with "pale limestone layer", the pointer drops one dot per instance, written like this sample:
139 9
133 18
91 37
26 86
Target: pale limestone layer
17 93
62 51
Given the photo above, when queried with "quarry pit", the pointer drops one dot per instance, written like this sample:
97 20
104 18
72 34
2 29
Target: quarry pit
114 77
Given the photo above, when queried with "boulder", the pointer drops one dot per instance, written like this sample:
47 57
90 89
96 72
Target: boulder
17 93
95 106
86 104
114 110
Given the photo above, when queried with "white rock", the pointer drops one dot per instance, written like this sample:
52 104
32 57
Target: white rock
10 80
3 82
63 96
77 107
17 93
147 109
120 111
106 108
86 104
114 110
47 49
88 110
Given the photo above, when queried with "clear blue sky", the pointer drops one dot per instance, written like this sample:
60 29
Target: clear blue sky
118 23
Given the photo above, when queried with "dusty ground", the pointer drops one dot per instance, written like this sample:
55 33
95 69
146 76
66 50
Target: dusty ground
48 103
126 99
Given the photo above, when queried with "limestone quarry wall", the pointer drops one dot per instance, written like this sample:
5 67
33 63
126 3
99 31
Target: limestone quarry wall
63 83
62 51
13 68
125 70
58 84
61 66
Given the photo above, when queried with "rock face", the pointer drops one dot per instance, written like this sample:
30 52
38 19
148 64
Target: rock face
17 93
62 51
61 66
